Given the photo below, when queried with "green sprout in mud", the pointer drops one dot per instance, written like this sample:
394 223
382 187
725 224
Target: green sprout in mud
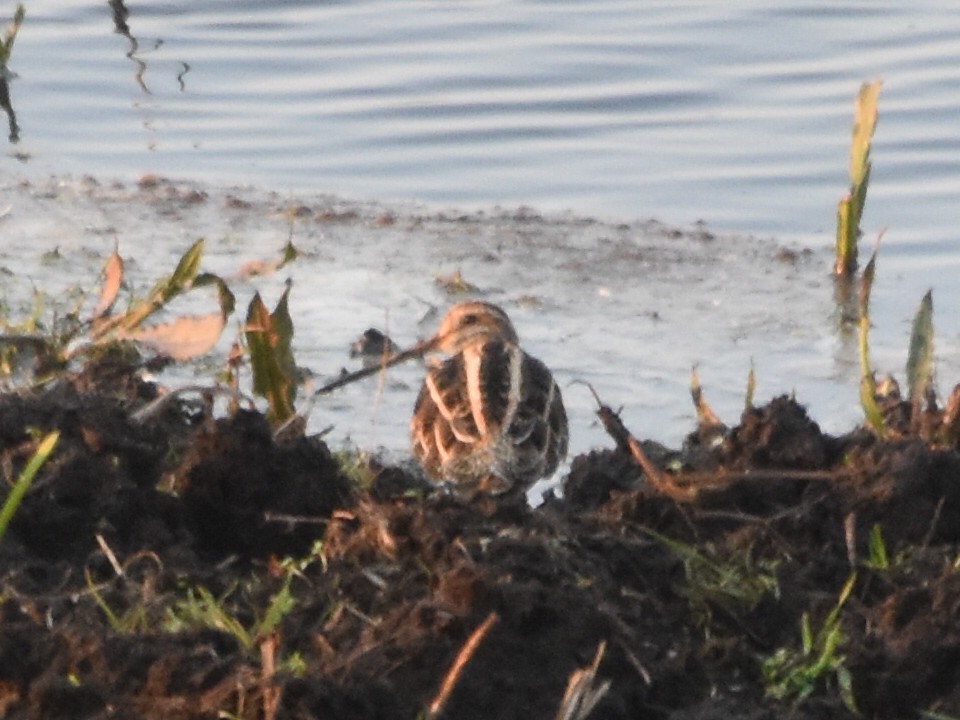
355 465
134 620
201 610
879 558
795 675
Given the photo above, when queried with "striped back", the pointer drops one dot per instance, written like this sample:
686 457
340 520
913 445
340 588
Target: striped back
490 410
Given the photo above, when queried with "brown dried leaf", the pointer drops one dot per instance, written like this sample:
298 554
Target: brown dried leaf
112 278
184 338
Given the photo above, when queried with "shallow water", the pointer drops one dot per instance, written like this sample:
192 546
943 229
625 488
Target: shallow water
738 114
627 307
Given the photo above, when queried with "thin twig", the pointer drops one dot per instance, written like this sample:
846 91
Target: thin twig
456 670
417 351
934 521
108 553
625 440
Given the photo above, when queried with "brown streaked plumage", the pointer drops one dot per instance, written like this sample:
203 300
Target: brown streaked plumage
490 416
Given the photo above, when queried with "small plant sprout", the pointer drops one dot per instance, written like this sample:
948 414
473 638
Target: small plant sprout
735 582
850 209
796 675
201 609
879 558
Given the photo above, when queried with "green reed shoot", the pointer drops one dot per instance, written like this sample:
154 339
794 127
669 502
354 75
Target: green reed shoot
879 557
850 209
920 355
22 485
868 383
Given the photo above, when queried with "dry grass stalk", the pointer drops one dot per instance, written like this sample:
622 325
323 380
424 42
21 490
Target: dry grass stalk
456 670
583 691
268 668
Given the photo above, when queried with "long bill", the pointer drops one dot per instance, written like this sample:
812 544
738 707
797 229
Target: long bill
417 351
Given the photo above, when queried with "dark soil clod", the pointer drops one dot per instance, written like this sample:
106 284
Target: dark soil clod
130 526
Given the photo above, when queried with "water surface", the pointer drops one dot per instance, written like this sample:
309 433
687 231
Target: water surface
737 114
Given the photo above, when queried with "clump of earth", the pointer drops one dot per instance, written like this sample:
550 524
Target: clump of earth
178 565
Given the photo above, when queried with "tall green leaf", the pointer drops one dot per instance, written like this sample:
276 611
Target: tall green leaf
868 383
920 356
850 209
269 338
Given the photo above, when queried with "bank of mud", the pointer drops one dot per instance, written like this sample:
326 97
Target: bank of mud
144 570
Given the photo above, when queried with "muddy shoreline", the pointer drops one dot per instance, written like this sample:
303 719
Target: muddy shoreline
189 565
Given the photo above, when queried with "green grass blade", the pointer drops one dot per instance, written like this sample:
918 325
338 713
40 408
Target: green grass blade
280 606
113 620
920 356
20 488
868 384
879 559
847 236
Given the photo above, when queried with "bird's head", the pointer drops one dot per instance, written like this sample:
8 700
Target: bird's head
472 322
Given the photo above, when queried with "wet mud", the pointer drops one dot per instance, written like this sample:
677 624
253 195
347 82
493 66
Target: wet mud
179 566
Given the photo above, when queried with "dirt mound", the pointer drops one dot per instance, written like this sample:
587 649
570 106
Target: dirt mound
179 566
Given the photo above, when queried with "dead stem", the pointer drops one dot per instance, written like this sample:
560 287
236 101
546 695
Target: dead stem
417 351
583 691
614 426
456 670
268 668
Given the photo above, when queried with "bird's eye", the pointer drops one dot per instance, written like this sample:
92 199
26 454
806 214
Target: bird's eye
470 319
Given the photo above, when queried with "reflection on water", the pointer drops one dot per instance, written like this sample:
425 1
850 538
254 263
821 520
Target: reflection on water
120 15
6 48
7 106
610 108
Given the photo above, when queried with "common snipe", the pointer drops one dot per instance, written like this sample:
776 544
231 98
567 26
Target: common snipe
490 416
